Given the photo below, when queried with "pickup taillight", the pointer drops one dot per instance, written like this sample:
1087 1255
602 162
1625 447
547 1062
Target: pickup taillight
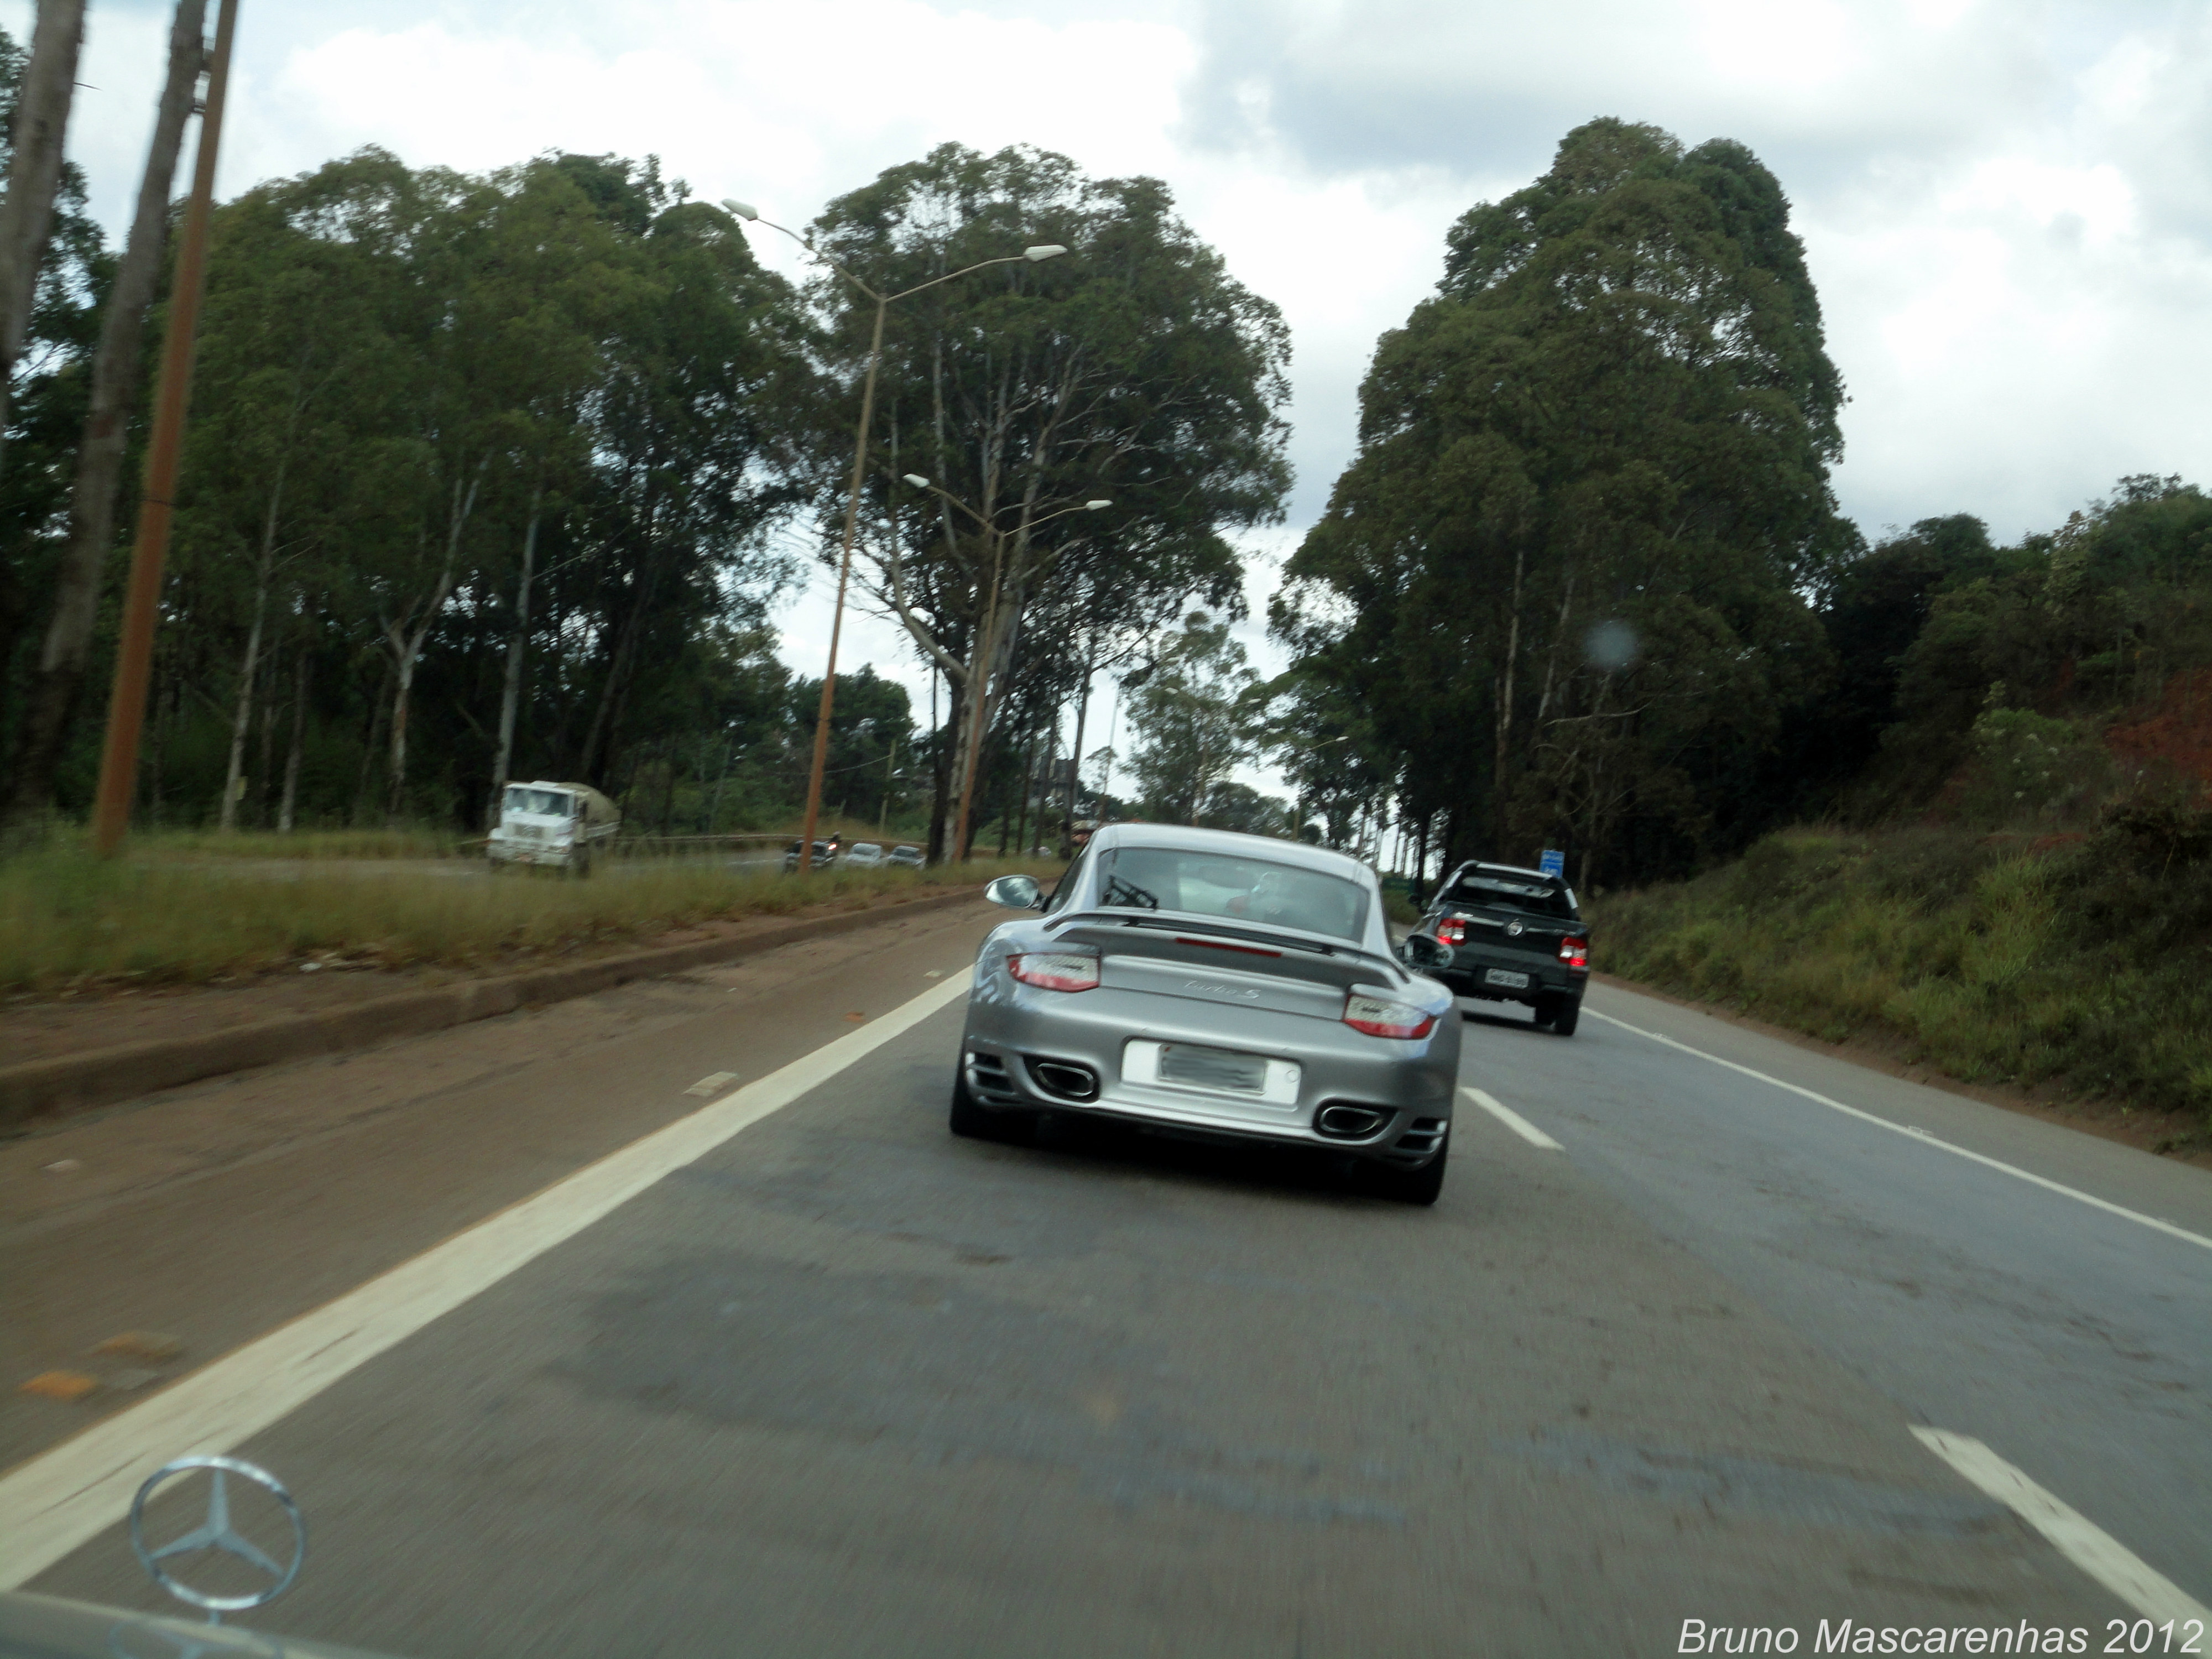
1574 952
1452 930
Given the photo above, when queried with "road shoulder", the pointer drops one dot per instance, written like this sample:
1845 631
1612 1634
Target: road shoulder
2163 1133
211 1213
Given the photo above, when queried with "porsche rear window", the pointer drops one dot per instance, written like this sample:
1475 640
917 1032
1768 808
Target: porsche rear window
1232 886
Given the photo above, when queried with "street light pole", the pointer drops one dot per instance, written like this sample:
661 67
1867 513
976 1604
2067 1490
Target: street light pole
1035 255
837 615
987 643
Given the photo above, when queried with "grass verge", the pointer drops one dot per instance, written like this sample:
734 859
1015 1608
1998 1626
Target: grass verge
68 922
403 843
2083 962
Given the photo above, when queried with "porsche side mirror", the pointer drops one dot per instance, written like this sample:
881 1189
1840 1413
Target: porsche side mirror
1015 892
1422 952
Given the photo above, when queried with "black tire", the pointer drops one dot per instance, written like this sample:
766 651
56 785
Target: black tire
1421 1186
969 1118
977 1122
1570 1015
1547 1010
579 864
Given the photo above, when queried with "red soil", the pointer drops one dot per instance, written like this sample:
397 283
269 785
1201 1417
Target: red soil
2175 735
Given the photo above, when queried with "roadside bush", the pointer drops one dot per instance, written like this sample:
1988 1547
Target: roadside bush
2028 765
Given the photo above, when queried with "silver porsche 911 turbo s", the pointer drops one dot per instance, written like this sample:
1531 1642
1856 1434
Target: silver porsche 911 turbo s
1217 985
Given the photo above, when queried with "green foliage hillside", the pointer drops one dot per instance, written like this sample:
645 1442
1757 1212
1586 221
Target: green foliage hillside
1996 958
2015 872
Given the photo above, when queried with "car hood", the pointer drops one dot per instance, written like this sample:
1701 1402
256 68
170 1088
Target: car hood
52 1628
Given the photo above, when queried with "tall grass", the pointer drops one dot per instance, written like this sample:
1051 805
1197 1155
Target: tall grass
401 843
2082 962
68 919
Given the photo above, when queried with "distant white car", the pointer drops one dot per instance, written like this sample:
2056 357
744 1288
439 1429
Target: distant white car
906 857
863 855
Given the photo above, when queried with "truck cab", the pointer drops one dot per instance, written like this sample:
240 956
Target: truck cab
560 825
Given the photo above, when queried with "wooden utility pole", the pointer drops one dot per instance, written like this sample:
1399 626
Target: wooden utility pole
52 695
134 654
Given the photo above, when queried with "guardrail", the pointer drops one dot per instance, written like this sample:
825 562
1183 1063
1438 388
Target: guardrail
651 845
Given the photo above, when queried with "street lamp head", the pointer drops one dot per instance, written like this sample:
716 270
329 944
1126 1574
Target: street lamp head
916 480
1038 255
743 209
1092 507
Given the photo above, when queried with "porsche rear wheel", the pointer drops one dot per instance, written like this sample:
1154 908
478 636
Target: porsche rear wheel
1421 1186
969 1118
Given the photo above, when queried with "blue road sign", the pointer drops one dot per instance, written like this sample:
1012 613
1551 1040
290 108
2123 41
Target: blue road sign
1553 863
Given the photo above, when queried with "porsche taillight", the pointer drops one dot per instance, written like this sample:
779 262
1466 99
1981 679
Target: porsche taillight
1380 1017
1056 970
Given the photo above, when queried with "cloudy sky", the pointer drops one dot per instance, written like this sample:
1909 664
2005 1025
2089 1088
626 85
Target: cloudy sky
2008 205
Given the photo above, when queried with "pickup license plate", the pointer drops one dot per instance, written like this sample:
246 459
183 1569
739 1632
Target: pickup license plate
1506 977
1212 1068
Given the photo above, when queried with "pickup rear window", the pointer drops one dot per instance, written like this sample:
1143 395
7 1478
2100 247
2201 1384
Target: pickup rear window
1535 898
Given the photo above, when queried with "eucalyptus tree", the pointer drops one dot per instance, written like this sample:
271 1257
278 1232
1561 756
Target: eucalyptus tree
1194 717
42 89
55 682
1590 495
691 429
1135 370
444 421
45 397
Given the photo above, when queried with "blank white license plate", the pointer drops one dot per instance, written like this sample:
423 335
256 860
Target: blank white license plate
1212 1068
1216 1071
1506 977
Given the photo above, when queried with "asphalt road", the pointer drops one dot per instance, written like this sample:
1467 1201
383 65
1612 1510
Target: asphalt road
843 1385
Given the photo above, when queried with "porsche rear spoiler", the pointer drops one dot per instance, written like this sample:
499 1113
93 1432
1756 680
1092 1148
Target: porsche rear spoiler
1253 932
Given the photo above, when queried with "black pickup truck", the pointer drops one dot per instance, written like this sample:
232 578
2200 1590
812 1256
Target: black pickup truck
1508 934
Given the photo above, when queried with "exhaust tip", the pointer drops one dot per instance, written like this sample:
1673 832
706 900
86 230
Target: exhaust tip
1066 1080
1342 1122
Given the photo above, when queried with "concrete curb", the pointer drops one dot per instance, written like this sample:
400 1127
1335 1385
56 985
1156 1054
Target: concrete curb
75 1082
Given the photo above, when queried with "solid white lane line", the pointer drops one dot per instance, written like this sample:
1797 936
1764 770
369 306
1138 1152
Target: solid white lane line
1512 1119
1925 1139
2074 1535
53 1503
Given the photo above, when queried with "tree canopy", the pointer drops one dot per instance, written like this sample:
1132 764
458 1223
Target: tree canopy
1135 370
1563 583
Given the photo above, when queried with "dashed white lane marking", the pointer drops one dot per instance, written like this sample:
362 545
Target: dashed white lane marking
54 1502
1512 1119
1926 1139
2074 1535
711 1082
